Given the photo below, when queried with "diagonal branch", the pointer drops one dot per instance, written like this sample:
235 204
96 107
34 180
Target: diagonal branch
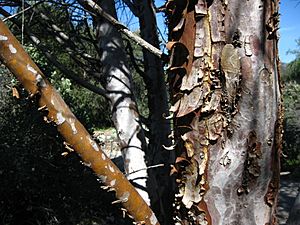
94 8
21 12
21 65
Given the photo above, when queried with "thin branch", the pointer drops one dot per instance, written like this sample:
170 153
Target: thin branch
68 73
94 8
160 9
91 37
148 167
21 12
78 55
133 60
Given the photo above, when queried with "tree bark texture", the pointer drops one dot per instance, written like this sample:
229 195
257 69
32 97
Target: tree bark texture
20 64
117 81
226 97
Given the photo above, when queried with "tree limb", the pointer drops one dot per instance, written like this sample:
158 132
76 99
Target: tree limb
22 66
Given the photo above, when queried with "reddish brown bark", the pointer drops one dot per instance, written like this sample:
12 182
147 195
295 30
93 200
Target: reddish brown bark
20 64
226 99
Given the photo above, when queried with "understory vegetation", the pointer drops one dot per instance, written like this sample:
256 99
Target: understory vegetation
41 181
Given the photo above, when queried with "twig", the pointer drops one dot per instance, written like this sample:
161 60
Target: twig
148 167
21 12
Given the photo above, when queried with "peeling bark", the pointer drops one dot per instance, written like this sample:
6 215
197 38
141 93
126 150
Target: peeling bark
20 64
226 97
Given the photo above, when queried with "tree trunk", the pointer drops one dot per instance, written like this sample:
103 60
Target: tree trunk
226 97
159 127
155 83
20 64
117 81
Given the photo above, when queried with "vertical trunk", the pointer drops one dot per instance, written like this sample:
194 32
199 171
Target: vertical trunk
226 94
50 102
154 79
158 108
118 83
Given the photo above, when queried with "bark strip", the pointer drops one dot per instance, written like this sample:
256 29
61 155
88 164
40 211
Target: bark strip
21 65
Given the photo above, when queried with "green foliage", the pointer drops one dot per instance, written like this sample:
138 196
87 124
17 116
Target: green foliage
293 71
91 109
291 98
292 101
